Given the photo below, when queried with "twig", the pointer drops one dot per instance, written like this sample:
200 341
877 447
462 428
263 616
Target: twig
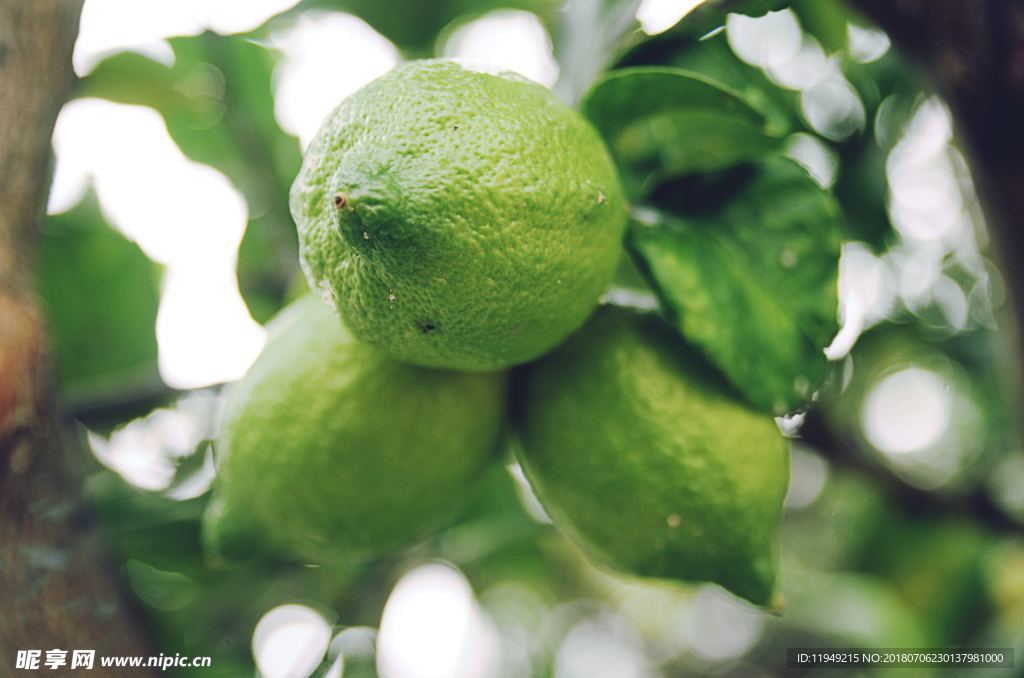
975 504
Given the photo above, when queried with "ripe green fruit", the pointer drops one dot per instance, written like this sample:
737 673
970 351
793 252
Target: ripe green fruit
456 218
330 450
649 463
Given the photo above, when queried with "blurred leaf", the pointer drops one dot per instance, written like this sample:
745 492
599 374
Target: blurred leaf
826 21
753 282
711 57
126 511
891 95
832 532
102 294
218 104
159 588
269 159
862 189
592 35
664 122
851 610
950 592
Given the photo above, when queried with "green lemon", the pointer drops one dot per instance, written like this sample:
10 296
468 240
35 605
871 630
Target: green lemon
330 450
456 218
649 463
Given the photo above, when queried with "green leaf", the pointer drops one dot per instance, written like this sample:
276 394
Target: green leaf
665 122
217 101
623 96
711 57
101 293
827 21
752 282
703 26
160 589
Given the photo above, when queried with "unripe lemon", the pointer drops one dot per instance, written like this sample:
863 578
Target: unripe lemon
331 450
644 458
457 218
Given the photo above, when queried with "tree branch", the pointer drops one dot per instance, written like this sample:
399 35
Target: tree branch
976 504
56 584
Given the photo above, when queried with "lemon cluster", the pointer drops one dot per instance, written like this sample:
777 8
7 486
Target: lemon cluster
456 225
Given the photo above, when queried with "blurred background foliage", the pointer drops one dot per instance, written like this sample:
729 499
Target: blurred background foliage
170 243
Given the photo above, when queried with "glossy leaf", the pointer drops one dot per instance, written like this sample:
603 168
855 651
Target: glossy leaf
752 282
665 122
709 55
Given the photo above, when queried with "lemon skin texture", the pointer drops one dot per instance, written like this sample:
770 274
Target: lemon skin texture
457 218
645 460
331 451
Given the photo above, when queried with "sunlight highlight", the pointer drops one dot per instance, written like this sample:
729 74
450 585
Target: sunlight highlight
601 647
289 641
147 451
184 215
865 296
657 16
764 41
718 626
327 56
109 26
507 39
907 411
432 627
527 497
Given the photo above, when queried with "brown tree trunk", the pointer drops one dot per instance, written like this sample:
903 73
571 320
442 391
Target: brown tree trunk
57 588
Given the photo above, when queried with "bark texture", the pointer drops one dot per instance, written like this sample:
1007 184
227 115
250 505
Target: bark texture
57 588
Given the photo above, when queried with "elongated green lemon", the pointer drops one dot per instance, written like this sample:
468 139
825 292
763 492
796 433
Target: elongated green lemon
330 450
457 218
648 462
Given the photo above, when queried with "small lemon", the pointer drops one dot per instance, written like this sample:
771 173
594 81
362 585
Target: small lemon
458 218
330 450
644 459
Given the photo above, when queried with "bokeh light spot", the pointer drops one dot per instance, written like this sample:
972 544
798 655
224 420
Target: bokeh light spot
183 214
109 26
327 56
507 39
432 627
907 411
764 41
290 641
657 16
